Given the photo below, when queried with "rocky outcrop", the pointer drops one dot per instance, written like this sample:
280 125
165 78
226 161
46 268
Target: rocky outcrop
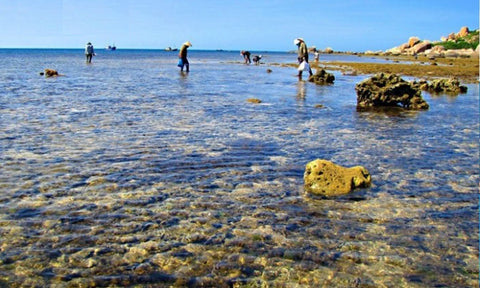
49 73
324 178
420 47
415 46
464 31
412 41
328 50
449 86
389 90
322 77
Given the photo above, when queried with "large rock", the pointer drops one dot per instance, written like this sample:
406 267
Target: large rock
389 90
420 47
435 52
325 178
322 77
412 41
463 32
450 86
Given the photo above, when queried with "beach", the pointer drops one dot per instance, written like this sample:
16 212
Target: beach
127 172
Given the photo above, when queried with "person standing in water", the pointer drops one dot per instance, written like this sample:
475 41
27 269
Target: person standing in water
246 56
89 52
182 55
302 55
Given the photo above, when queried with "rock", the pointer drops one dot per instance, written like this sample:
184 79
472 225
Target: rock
328 50
451 86
451 37
454 53
420 47
389 90
464 31
325 178
254 100
435 52
412 41
322 77
49 73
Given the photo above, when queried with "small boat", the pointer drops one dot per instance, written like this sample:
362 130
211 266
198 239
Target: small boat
111 48
170 49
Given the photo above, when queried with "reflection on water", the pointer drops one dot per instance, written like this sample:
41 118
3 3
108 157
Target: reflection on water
127 172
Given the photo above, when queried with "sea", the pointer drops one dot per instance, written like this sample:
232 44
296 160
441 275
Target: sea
128 173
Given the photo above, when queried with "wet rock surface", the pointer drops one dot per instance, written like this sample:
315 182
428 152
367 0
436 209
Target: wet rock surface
325 178
49 73
389 90
450 86
322 77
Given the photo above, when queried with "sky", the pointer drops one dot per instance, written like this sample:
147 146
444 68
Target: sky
255 25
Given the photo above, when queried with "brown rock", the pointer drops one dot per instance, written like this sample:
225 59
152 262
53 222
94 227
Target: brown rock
420 47
412 41
389 90
254 100
463 32
322 77
325 178
450 86
50 73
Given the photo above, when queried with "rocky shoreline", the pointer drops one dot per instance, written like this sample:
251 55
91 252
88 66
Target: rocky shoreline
456 55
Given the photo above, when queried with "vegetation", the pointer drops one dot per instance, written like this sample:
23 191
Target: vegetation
468 42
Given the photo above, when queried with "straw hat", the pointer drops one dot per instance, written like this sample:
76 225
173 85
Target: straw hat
188 44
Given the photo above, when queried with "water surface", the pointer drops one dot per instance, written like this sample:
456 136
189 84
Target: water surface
128 172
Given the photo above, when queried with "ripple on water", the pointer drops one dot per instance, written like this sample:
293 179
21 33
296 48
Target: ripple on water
116 180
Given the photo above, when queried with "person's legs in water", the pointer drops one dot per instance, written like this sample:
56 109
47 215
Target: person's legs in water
187 65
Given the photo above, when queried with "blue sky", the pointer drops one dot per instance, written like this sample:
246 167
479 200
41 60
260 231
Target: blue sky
348 25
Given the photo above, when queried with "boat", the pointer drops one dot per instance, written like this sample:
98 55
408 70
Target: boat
111 48
170 49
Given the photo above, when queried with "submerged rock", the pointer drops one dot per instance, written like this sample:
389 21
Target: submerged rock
325 178
322 77
389 90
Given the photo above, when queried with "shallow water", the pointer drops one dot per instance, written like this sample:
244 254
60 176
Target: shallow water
127 172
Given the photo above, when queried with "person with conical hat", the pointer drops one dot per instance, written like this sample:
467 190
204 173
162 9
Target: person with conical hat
182 55
302 56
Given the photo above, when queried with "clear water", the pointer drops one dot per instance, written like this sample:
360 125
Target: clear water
126 172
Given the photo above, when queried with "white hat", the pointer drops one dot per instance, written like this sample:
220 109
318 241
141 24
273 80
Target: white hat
297 41
188 44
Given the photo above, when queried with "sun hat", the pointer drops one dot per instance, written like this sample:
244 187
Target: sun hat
188 44
297 41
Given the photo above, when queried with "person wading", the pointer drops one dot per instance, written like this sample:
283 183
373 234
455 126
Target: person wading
182 55
302 56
